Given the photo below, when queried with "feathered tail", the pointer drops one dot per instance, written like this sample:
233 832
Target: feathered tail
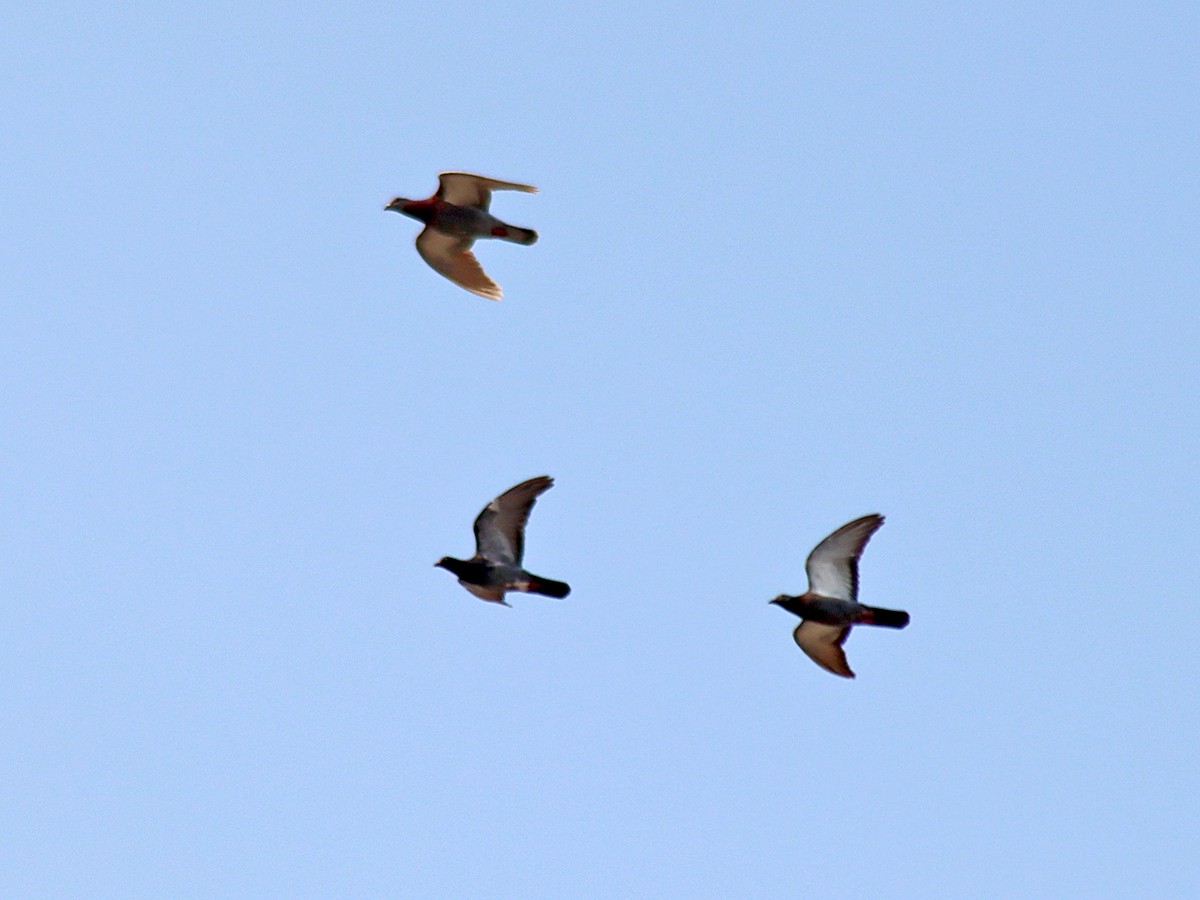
548 587
888 618
515 234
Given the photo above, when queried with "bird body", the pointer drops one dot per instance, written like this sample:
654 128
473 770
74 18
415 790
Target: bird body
830 606
831 611
455 217
500 547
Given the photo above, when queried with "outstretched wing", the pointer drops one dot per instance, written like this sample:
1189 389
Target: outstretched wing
465 189
452 257
823 644
500 528
833 565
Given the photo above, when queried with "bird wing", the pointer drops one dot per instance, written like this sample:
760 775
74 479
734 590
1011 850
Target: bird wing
452 257
500 528
823 644
833 565
465 189
492 595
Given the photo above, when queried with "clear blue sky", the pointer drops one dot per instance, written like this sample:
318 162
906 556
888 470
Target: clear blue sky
798 263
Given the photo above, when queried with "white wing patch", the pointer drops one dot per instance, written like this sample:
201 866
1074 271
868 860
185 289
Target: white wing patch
833 565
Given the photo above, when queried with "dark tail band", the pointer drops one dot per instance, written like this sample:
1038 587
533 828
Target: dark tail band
888 618
549 588
521 235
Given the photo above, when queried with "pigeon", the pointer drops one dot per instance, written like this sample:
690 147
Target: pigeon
454 218
830 605
499 546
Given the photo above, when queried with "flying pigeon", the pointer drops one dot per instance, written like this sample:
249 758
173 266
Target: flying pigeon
499 546
454 218
830 605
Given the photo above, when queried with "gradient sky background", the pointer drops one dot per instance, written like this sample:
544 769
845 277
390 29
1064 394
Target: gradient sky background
798 263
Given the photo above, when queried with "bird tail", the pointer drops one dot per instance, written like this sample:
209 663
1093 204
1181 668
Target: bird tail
548 588
888 618
515 234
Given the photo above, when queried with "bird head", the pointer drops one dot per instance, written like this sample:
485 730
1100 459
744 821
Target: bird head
784 601
460 568
421 210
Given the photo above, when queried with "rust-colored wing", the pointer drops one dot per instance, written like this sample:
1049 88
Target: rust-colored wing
451 256
465 189
823 644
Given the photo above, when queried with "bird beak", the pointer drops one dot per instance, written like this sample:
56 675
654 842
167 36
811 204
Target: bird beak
394 206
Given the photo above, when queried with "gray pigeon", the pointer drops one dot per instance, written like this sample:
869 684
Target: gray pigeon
500 546
830 605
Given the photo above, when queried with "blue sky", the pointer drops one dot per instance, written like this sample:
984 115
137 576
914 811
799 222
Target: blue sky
798 263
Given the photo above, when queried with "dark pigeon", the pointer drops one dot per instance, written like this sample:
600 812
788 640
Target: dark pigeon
830 605
500 545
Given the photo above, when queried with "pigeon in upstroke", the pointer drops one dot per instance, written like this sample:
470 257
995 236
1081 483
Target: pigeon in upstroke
830 606
455 217
500 547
